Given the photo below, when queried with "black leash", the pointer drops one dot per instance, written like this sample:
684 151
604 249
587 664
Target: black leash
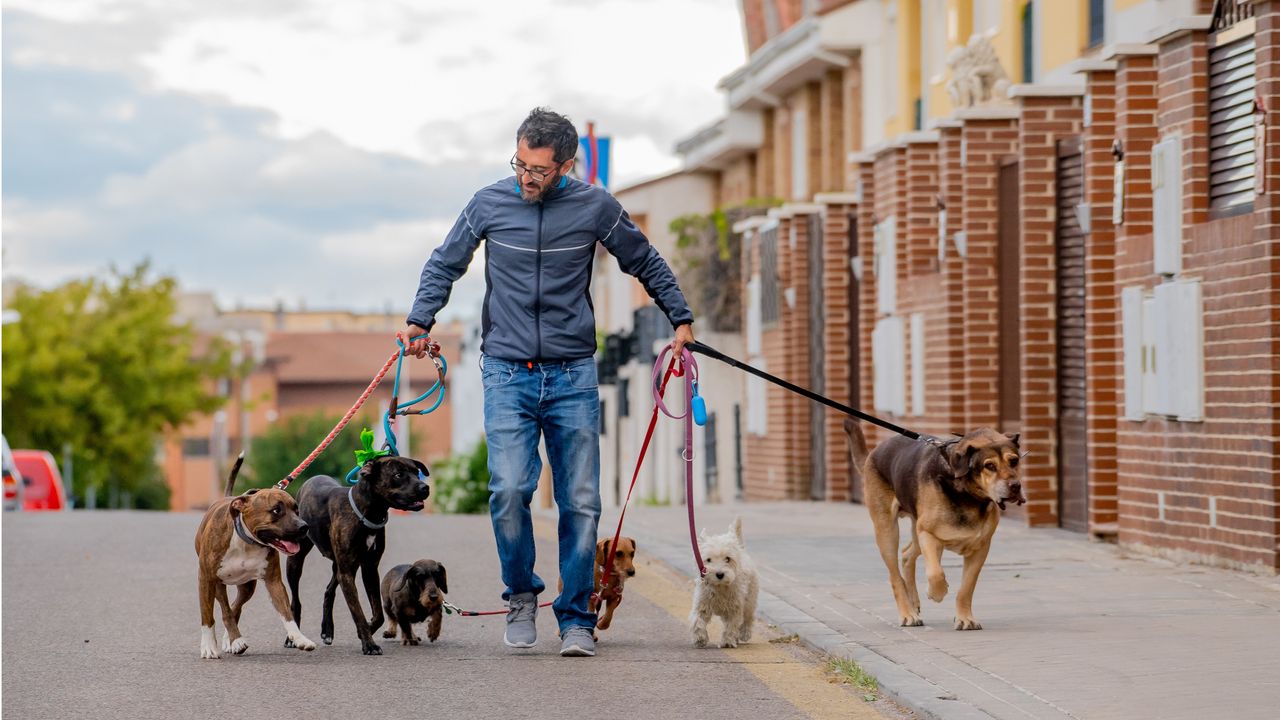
716 354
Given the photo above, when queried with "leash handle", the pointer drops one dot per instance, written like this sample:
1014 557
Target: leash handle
711 352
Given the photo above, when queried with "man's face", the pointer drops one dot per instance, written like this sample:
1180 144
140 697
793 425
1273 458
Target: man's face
537 171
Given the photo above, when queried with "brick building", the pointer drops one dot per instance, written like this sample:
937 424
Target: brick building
1053 218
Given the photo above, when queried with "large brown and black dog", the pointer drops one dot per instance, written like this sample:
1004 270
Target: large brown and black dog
236 545
953 495
348 525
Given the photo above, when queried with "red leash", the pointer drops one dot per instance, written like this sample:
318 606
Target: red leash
688 370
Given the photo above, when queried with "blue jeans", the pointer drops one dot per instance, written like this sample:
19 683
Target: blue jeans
560 401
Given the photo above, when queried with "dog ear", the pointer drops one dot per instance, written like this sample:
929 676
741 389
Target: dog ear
1013 437
442 579
602 551
404 580
422 468
737 528
633 545
960 457
239 503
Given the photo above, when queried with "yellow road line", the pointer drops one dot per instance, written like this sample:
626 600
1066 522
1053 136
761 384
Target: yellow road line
802 684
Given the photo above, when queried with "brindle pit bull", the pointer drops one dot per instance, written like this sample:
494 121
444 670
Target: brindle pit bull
347 524
953 496
237 544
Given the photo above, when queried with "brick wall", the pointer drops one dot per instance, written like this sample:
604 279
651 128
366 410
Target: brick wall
738 182
947 398
1045 121
1207 491
865 173
1267 219
1102 316
986 143
838 371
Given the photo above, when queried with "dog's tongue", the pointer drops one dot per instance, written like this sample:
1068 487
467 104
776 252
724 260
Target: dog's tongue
286 547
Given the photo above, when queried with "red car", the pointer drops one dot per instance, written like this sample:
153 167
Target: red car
42 482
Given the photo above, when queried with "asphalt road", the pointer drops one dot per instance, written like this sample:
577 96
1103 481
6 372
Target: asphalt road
100 620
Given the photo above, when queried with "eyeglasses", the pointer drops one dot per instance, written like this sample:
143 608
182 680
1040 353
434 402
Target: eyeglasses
538 175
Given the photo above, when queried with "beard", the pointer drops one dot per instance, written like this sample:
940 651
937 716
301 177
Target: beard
540 191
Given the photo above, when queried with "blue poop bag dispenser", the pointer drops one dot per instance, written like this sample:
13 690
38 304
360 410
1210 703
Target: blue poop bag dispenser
699 407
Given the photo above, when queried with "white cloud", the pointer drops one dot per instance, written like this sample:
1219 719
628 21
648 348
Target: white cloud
317 150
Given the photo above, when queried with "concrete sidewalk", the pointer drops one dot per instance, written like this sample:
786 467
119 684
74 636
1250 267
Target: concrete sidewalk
1072 628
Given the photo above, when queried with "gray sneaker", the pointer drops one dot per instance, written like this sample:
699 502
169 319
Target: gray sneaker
522 632
577 642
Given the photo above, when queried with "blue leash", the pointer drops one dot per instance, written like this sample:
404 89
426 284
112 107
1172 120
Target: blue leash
395 408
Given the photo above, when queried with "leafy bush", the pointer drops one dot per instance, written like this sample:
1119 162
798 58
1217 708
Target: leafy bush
461 483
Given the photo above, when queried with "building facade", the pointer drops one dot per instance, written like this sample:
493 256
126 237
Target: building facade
1053 218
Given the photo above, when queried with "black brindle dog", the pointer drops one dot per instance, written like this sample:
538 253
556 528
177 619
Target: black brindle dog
348 525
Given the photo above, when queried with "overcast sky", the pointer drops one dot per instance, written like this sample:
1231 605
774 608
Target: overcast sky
315 151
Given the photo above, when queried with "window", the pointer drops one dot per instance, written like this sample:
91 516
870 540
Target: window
1097 22
1232 83
195 447
1028 43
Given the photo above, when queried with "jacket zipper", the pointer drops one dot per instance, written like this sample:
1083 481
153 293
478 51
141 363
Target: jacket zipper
537 290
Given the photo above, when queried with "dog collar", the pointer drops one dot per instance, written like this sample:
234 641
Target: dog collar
245 535
372 526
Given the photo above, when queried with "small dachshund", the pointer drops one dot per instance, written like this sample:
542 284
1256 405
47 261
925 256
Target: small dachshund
411 594
623 567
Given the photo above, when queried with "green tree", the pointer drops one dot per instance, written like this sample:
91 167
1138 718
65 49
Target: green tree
102 364
276 452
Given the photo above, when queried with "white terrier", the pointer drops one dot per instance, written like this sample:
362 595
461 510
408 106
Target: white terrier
728 590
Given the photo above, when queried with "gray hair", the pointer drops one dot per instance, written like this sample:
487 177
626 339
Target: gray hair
544 128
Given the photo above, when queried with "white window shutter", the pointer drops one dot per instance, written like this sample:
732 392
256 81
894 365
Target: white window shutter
917 364
1180 349
1152 364
754 340
799 155
1134 360
888 377
886 268
1166 199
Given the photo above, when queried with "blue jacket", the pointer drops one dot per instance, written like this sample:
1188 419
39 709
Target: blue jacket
537 270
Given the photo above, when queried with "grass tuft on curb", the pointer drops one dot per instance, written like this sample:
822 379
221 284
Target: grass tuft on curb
850 673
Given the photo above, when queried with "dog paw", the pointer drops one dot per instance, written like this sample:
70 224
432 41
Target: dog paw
388 633
369 648
603 623
967 624
700 638
729 642
235 647
208 645
326 639
937 590
912 621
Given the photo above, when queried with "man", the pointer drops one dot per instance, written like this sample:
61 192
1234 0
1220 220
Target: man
539 337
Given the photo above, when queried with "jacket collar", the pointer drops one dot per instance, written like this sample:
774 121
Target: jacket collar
556 191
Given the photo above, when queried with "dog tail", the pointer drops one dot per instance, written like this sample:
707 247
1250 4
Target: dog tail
235 470
857 444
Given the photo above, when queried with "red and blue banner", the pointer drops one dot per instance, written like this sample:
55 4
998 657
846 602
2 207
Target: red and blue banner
593 158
